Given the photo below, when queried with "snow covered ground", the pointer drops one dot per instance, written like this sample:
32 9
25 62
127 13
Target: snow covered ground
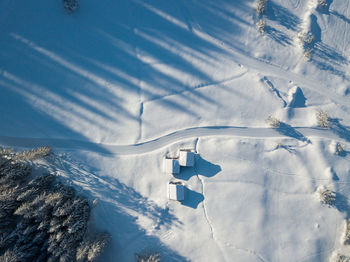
117 85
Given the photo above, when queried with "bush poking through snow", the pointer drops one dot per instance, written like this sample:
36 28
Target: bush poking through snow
273 122
323 119
261 6
148 258
261 24
70 5
326 196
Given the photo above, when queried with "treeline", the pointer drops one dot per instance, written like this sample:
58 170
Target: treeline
42 219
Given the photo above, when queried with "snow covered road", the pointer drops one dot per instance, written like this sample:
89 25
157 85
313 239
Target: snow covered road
299 133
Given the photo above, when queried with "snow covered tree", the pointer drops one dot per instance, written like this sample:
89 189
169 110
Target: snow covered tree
148 257
261 6
91 247
322 3
273 121
42 219
341 258
70 5
33 154
323 119
326 195
261 25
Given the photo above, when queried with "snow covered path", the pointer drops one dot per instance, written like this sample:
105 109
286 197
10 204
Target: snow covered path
299 133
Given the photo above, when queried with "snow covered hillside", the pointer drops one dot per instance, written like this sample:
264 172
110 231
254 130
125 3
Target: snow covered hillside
116 86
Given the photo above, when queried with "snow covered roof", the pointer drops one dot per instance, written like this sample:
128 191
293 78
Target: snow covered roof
176 191
171 166
186 158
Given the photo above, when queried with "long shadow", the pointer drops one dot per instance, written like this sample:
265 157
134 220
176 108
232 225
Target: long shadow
327 53
325 57
96 74
25 117
118 210
288 130
342 204
341 130
343 17
282 15
277 36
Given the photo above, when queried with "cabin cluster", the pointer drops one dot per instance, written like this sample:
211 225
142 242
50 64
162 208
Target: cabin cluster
176 189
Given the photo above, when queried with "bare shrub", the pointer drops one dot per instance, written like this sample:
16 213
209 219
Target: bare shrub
326 195
323 119
70 5
148 258
273 122
305 38
261 24
261 6
309 38
339 149
322 3
308 54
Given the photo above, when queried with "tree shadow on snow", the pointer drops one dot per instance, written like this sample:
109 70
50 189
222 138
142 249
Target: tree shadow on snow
342 17
288 130
324 57
282 15
341 130
119 211
96 76
342 204
277 36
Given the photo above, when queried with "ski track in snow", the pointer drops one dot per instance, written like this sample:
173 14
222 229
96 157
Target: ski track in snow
157 143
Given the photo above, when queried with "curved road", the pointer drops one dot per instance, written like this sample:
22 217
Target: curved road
299 133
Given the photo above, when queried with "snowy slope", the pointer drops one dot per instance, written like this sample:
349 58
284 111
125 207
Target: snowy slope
117 85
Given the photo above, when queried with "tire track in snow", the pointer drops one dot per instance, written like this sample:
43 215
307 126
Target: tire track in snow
157 143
